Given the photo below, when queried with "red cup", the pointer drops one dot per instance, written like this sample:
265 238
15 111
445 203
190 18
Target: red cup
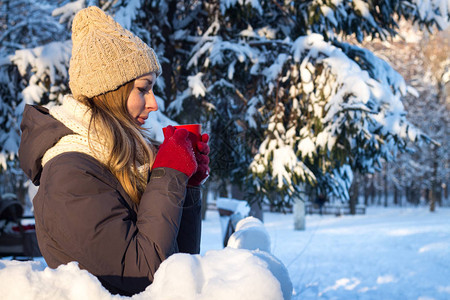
195 132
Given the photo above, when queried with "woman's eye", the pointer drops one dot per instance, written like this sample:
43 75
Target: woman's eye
142 90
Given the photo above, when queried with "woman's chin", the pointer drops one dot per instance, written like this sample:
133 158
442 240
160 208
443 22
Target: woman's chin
140 121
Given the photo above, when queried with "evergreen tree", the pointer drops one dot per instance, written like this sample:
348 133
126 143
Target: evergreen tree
346 101
285 98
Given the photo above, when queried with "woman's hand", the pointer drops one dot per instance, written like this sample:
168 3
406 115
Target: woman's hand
202 173
176 152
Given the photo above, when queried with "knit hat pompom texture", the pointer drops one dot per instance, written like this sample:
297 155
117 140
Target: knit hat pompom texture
105 55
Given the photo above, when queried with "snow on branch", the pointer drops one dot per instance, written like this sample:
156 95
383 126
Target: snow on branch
374 91
68 11
436 11
125 15
49 62
342 106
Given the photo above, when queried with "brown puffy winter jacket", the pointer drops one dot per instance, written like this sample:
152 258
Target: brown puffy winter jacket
83 214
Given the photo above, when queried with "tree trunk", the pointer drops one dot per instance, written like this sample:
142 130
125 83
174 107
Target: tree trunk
366 191
400 191
416 195
408 195
395 195
256 211
435 187
386 185
222 189
432 201
436 196
255 208
167 30
372 190
379 185
2 183
445 191
205 195
354 189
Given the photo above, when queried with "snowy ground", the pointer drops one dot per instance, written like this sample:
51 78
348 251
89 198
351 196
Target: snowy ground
389 253
393 253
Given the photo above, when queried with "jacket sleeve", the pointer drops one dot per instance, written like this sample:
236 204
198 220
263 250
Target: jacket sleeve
191 222
84 213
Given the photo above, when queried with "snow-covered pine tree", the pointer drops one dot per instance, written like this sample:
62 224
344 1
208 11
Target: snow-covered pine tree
35 50
33 66
349 101
33 69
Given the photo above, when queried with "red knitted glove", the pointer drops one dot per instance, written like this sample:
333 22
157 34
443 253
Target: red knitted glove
176 152
202 173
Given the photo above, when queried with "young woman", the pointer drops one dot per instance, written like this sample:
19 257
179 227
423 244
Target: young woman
108 199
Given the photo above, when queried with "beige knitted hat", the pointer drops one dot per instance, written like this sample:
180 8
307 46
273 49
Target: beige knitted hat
105 55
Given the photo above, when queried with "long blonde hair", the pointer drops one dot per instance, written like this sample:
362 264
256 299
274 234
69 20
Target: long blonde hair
128 143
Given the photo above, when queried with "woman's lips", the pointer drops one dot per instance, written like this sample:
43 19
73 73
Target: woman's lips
141 120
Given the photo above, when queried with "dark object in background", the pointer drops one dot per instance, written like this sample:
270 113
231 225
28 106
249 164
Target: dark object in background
16 239
320 201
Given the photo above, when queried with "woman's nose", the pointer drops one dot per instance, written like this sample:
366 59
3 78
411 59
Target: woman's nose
150 102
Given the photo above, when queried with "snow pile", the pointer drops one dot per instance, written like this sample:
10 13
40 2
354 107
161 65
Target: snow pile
221 274
250 234
239 272
33 280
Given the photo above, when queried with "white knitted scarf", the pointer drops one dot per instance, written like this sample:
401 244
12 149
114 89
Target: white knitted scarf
76 116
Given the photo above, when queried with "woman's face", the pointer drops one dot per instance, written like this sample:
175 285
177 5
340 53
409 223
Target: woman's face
141 100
